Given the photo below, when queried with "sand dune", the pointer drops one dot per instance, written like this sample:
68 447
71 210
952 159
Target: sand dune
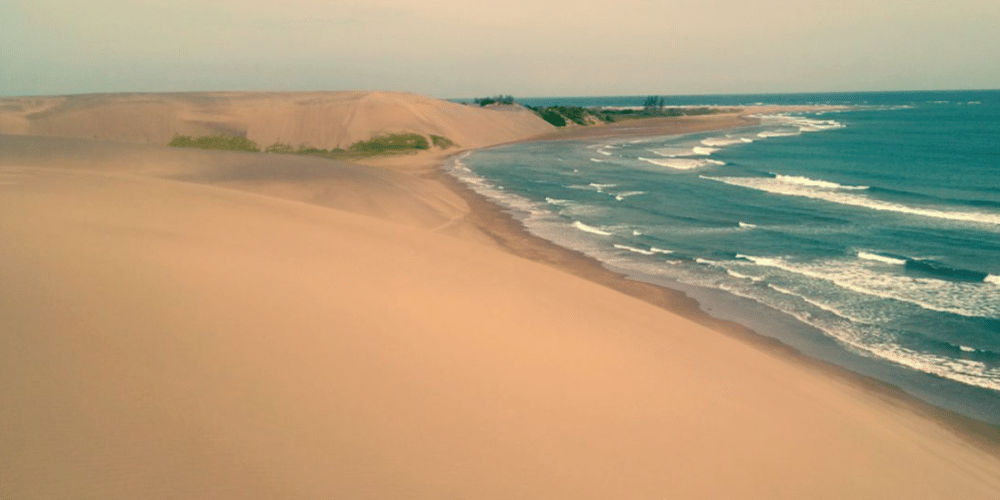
318 119
376 192
164 339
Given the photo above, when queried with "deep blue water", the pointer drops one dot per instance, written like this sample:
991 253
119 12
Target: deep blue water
868 237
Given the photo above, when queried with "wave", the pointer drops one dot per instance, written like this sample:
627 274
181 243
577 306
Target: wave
634 249
932 198
767 134
945 271
962 370
597 160
778 186
709 262
805 181
802 123
622 196
742 276
817 304
660 250
992 278
778 133
747 225
865 338
725 141
590 229
681 152
881 258
970 299
683 163
700 151
601 187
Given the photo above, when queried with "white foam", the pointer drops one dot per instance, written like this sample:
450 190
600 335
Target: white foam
805 181
872 341
992 278
962 298
776 186
746 225
660 250
880 258
777 133
802 123
725 141
672 152
601 187
634 249
622 196
966 348
590 229
961 370
683 163
636 232
819 305
555 201
742 276
597 160
700 151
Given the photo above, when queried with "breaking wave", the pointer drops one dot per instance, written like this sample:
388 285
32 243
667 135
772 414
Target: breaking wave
837 195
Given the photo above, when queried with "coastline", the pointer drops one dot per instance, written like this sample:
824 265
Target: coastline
511 236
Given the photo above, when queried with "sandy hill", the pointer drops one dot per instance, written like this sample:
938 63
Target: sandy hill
372 191
165 339
318 119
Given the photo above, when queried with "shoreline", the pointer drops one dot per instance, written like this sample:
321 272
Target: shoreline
511 236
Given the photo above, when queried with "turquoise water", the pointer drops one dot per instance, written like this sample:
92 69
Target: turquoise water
869 237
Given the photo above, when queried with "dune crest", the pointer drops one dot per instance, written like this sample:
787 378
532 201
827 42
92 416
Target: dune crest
323 120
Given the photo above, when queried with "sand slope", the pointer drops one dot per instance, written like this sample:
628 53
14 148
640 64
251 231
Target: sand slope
319 119
164 339
376 192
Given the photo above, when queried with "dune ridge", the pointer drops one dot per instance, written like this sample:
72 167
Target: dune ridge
323 120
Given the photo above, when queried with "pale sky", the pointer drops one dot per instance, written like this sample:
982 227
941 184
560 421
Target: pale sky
448 48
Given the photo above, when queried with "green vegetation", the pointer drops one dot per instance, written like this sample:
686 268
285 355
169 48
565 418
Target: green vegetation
380 145
560 116
552 116
441 142
390 143
218 141
279 148
653 104
498 99
303 150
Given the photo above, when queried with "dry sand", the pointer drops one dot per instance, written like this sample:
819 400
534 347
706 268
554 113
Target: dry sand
323 120
173 328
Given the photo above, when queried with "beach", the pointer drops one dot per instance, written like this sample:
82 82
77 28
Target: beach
183 323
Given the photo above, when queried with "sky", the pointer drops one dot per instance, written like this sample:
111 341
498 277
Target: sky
526 48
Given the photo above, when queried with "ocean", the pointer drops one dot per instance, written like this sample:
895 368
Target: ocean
867 237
